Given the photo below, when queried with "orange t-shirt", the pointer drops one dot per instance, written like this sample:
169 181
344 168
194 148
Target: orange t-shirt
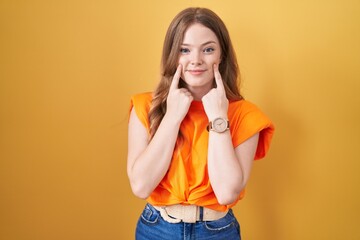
187 180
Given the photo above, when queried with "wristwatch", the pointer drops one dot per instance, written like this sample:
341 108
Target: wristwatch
219 125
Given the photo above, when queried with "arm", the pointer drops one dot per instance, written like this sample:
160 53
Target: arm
228 168
148 162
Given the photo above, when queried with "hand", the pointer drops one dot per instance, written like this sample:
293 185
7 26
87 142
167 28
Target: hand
179 99
215 102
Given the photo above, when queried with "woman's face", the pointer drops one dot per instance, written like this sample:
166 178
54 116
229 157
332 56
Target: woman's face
200 50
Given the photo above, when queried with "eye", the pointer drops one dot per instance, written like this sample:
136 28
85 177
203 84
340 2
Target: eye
184 50
209 50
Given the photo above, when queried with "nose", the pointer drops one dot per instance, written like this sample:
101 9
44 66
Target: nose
196 58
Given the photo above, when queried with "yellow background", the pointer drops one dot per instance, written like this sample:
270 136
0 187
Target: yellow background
68 69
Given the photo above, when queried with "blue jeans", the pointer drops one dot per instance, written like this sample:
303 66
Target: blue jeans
151 226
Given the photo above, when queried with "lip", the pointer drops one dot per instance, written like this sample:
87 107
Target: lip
196 71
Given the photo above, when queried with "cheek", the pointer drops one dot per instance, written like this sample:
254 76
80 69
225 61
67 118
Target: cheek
182 61
214 60
182 76
217 60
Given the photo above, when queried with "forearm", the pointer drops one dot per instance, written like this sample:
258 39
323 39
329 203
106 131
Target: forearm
225 172
152 164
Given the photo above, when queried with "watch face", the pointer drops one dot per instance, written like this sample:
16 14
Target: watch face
220 125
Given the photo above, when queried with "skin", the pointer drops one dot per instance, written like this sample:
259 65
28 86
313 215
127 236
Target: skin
199 52
229 168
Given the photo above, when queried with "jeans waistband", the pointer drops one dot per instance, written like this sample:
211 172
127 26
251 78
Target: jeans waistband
188 213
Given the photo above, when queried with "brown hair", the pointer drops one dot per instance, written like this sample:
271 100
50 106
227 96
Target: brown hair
228 67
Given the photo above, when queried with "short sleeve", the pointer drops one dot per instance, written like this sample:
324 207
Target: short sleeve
141 104
248 120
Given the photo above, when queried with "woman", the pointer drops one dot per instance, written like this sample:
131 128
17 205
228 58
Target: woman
193 141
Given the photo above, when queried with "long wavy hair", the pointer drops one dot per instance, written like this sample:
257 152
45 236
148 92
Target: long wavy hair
228 66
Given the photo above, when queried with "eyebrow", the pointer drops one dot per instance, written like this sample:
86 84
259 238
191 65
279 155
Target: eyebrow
206 43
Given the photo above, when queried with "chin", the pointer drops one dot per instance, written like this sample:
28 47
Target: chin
197 82
203 85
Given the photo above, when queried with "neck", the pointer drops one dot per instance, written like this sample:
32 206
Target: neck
198 93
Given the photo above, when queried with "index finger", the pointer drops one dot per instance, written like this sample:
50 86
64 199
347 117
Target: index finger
218 79
175 80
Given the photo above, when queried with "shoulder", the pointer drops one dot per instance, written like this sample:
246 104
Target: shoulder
141 103
247 112
242 107
246 119
145 97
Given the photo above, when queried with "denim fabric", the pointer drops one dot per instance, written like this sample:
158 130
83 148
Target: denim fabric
151 226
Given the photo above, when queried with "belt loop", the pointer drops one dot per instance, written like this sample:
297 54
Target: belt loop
201 213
